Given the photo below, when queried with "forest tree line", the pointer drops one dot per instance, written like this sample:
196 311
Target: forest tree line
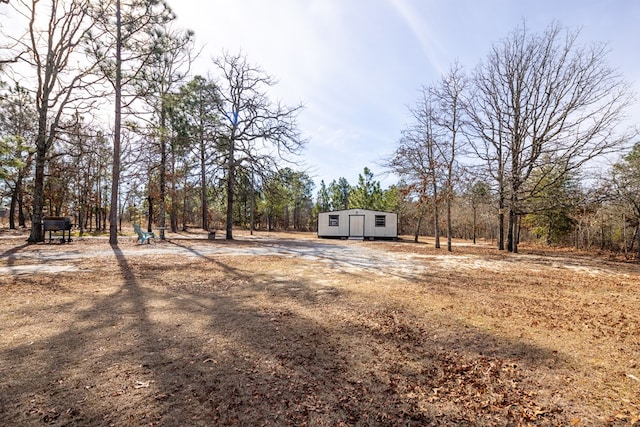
504 151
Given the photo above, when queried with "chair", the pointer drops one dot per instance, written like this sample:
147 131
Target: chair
144 236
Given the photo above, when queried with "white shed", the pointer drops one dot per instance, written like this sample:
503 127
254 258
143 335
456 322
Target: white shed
358 224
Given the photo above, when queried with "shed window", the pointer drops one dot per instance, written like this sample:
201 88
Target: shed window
381 220
334 220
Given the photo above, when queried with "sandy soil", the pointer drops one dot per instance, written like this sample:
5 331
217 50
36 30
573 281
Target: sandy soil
287 329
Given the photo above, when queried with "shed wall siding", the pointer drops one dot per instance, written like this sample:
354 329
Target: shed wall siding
390 230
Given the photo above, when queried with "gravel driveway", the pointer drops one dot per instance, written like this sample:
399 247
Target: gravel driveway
339 255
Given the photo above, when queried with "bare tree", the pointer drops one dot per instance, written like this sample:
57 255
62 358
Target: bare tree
254 126
51 51
625 182
89 177
448 96
478 193
417 159
543 96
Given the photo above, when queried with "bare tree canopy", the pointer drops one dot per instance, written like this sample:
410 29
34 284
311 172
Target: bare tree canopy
254 126
540 98
51 49
625 182
418 160
427 156
448 95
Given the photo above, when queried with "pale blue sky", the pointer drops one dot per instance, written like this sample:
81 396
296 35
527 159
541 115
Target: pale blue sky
357 65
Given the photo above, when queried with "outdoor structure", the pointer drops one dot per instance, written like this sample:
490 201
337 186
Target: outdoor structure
57 223
358 224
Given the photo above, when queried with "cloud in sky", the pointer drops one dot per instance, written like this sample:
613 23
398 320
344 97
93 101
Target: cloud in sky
357 65
422 32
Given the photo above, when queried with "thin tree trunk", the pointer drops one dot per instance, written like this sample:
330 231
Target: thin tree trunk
174 199
12 207
449 226
37 234
96 212
252 225
624 234
22 221
81 218
150 216
436 228
184 205
230 189
115 172
511 233
501 229
518 229
203 186
163 174
475 222
417 229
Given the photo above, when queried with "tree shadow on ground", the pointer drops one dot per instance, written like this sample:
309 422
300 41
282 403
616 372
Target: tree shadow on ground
10 254
119 360
237 351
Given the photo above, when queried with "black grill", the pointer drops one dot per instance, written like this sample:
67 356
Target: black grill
57 224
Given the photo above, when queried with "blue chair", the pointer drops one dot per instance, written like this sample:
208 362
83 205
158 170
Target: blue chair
144 236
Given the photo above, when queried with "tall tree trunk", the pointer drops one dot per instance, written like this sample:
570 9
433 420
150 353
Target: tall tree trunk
253 202
81 218
203 186
501 199
173 212
37 234
150 215
436 224
475 223
510 234
449 225
22 222
501 229
230 189
163 173
185 205
13 205
416 232
513 231
115 172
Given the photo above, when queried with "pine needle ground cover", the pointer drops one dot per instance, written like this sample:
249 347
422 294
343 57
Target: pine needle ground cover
287 329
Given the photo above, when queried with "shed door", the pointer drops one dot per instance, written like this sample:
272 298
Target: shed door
356 226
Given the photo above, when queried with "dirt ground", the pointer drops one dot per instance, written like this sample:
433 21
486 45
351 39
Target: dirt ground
288 329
